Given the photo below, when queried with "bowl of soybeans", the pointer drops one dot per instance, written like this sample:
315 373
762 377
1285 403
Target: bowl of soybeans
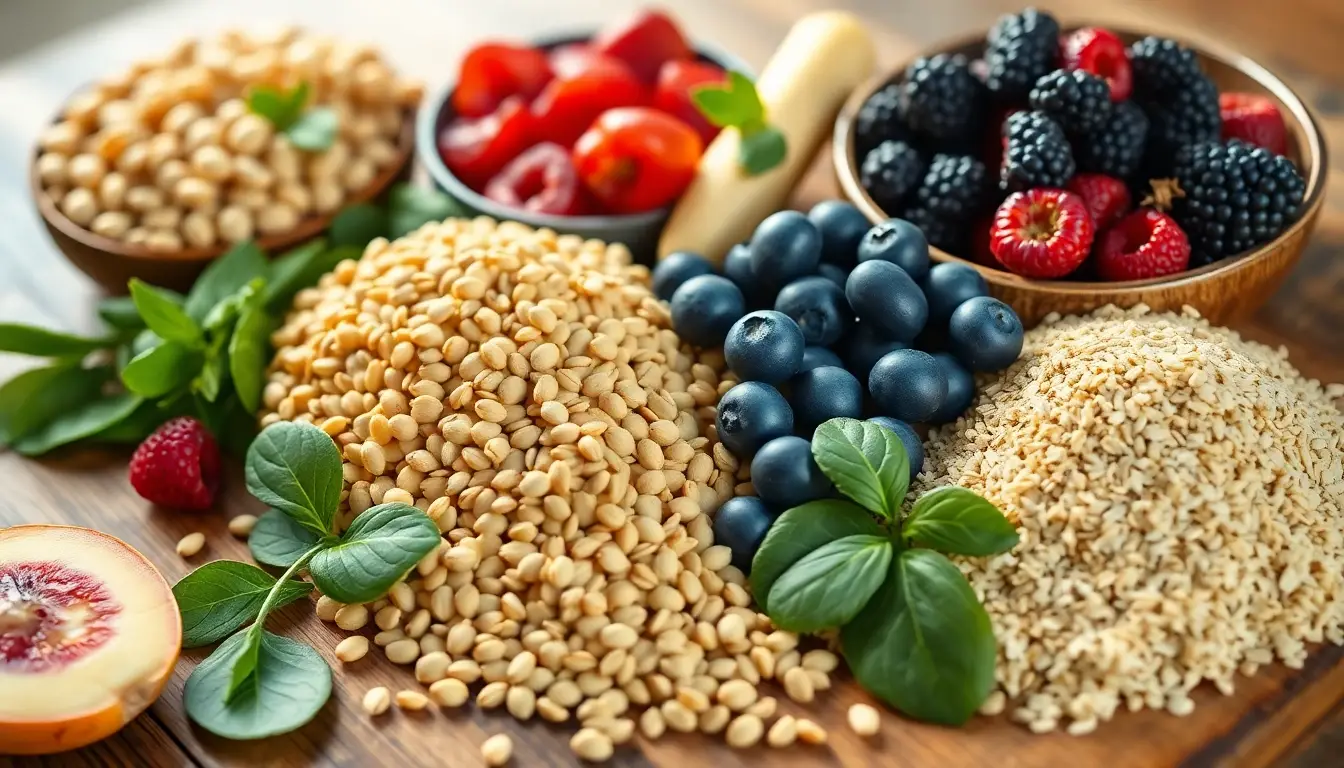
154 172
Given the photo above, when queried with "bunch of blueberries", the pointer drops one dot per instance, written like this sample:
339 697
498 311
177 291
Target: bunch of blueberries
811 312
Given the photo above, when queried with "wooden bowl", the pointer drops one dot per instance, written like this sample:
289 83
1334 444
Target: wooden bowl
1221 291
112 263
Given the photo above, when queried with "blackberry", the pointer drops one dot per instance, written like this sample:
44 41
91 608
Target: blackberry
1020 49
1079 101
1038 154
954 188
1237 196
1116 149
941 99
948 234
879 119
1161 68
890 173
1189 116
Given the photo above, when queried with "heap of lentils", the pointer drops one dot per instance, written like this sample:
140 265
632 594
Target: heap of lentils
526 391
168 155
1180 499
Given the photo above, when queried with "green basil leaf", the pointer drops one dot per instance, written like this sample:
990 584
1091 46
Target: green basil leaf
41 342
224 277
279 541
212 374
162 369
799 531
163 314
290 271
138 424
119 312
83 419
866 462
410 207
249 352
831 584
286 687
296 468
358 224
35 396
273 104
315 130
734 103
378 548
245 667
762 150
924 644
222 596
238 427
958 521
298 98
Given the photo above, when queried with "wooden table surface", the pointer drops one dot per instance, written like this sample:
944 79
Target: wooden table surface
1278 717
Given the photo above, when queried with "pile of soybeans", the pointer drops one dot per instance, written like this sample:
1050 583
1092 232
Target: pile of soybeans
1180 500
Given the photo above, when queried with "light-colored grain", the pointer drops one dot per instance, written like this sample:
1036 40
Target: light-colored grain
376 701
352 648
411 701
242 525
497 750
191 544
744 731
864 719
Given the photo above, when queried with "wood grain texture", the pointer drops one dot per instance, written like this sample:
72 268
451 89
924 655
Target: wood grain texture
1277 713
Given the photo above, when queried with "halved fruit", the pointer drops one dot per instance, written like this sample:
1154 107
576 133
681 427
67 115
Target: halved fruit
89 634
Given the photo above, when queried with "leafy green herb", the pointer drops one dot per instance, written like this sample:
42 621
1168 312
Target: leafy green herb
279 541
865 461
222 596
737 104
953 519
225 276
801 530
313 130
762 150
287 685
30 340
380 546
249 351
831 584
410 207
83 419
159 370
297 470
212 374
358 224
163 313
119 312
39 394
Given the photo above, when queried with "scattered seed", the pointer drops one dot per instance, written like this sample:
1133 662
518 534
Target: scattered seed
191 544
411 701
744 731
783 733
377 701
242 525
497 750
864 720
810 733
352 648
449 692
592 745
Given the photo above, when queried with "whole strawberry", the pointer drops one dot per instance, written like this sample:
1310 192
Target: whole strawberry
1107 198
177 466
1255 119
1041 233
1145 244
1103 53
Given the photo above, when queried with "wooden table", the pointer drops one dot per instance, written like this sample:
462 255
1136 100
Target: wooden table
1276 717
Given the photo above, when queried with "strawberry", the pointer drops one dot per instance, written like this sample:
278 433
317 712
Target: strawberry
1146 243
1107 198
1103 53
1041 233
1254 118
177 466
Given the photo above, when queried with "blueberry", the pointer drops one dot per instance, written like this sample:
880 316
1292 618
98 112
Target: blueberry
764 345
815 357
704 308
960 389
785 247
914 448
947 286
752 414
676 268
883 295
737 267
899 242
824 393
842 227
819 307
985 334
864 347
837 275
740 525
908 384
785 474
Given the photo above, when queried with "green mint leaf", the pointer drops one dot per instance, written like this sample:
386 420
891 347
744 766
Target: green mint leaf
273 104
279 541
960 522
865 461
410 207
315 130
734 103
290 272
162 369
224 277
211 376
798 532
38 395
138 424
357 225
761 150
376 551
924 644
296 468
218 598
298 99
244 666
831 584
41 342
163 313
287 685
249 352
80 420
119 312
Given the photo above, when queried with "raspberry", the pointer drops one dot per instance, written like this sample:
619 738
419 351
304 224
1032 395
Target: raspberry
890 173
1103 53
1117 148
1145 244
1019 49
1041 233
954 188
879 120
1079 101
177 466
1107 198
1253 118
942 100
1037 153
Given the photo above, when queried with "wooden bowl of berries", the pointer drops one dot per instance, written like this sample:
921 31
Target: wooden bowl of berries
1086 166
158 170
595 135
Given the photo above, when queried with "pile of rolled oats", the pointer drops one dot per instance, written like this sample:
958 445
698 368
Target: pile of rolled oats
1180 499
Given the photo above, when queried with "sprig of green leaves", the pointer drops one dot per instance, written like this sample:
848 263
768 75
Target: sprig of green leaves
258 684
313 130
737 104
912 629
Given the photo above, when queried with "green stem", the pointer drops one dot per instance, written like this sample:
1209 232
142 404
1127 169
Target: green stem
274 594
